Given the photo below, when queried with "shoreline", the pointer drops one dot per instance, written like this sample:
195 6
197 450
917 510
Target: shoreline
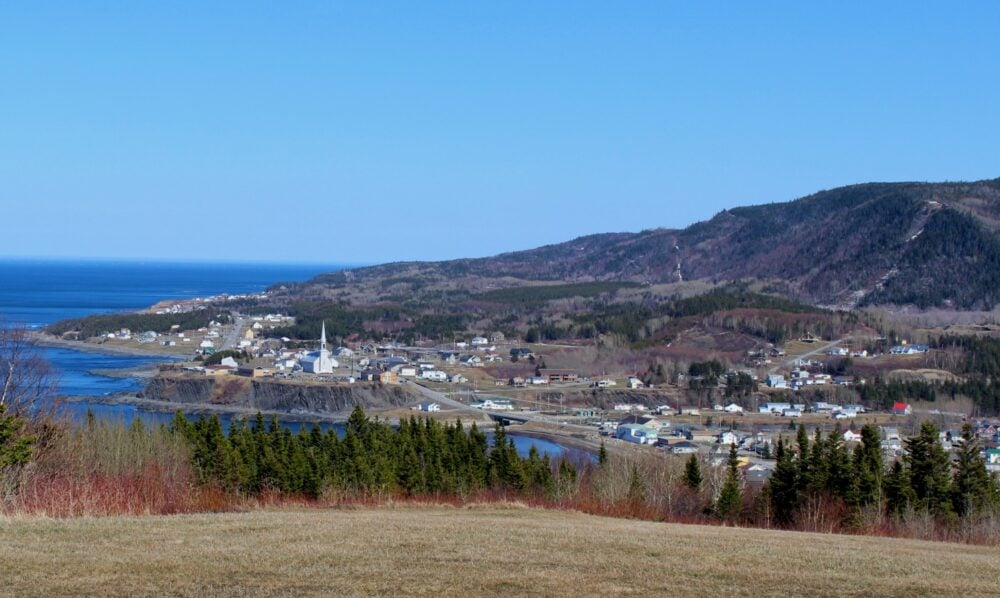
47 340
204 408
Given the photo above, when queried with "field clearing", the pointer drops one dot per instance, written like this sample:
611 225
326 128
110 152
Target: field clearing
479 550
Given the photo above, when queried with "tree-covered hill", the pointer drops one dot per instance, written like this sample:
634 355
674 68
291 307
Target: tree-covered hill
928 244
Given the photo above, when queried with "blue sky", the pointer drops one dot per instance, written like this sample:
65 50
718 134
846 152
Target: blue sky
370 132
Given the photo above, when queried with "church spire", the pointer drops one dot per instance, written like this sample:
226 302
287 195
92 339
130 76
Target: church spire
322 338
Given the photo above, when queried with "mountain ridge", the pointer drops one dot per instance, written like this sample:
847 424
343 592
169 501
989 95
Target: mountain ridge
926 244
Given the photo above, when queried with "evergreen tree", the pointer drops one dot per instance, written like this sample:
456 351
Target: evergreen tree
898 493
15 445
730 502
972 487
929 470
692 473
602 454
636 487
783 485
869 467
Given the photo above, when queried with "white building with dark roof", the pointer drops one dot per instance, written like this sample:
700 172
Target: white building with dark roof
319 362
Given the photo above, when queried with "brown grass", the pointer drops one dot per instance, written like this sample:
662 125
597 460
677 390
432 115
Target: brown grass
484 550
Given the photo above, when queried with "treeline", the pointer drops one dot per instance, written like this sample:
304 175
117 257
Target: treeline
96 325
777 328
981 354
543 293
636 321
419 457
819 484
979 366
343 320
818 479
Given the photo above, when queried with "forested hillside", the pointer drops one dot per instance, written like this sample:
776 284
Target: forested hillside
882 243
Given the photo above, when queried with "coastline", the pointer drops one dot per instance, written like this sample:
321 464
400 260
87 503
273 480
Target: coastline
206 408
47 340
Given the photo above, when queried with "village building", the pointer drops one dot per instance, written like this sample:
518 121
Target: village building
554 375
636 433
319 362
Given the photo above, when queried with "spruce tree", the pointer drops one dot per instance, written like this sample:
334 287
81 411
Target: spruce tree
783 485
636 487
692 473
869 467
730 501
972 487
929 470
898 493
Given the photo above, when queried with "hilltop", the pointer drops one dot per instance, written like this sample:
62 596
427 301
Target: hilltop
469 551
925 244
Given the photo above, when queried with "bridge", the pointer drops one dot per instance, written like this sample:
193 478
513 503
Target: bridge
506 419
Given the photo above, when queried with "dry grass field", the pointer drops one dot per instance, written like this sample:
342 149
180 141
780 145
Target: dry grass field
486 550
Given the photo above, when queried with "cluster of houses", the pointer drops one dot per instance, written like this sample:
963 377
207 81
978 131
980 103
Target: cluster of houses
387 364
197 303
643 429
800 378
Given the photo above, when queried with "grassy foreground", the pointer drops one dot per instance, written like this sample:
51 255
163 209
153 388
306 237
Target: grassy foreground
462 551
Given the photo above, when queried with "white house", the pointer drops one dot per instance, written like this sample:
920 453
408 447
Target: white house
636 433
428 407
732 408
472 361
408 371
634 382
776 381
729 437
852 436
434 375
493 404
478 341
775 408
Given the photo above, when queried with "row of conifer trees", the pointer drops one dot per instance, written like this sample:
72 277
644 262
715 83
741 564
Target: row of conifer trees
417 457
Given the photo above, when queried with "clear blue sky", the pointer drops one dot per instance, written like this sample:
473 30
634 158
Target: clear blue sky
331 132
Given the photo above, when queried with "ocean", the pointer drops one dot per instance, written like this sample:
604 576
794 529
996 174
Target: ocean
36 293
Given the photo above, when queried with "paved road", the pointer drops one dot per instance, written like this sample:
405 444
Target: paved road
234 336
821 349
445 401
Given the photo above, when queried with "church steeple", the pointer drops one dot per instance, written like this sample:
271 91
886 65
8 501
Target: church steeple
322 338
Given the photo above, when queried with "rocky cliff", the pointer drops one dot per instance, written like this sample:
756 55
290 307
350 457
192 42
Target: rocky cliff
277 395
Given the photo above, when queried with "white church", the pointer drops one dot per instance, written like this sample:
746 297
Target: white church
319 362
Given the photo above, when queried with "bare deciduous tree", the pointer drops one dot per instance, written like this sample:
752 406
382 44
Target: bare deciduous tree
27 382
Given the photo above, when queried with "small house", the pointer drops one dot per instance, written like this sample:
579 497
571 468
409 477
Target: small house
901 409
635 433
